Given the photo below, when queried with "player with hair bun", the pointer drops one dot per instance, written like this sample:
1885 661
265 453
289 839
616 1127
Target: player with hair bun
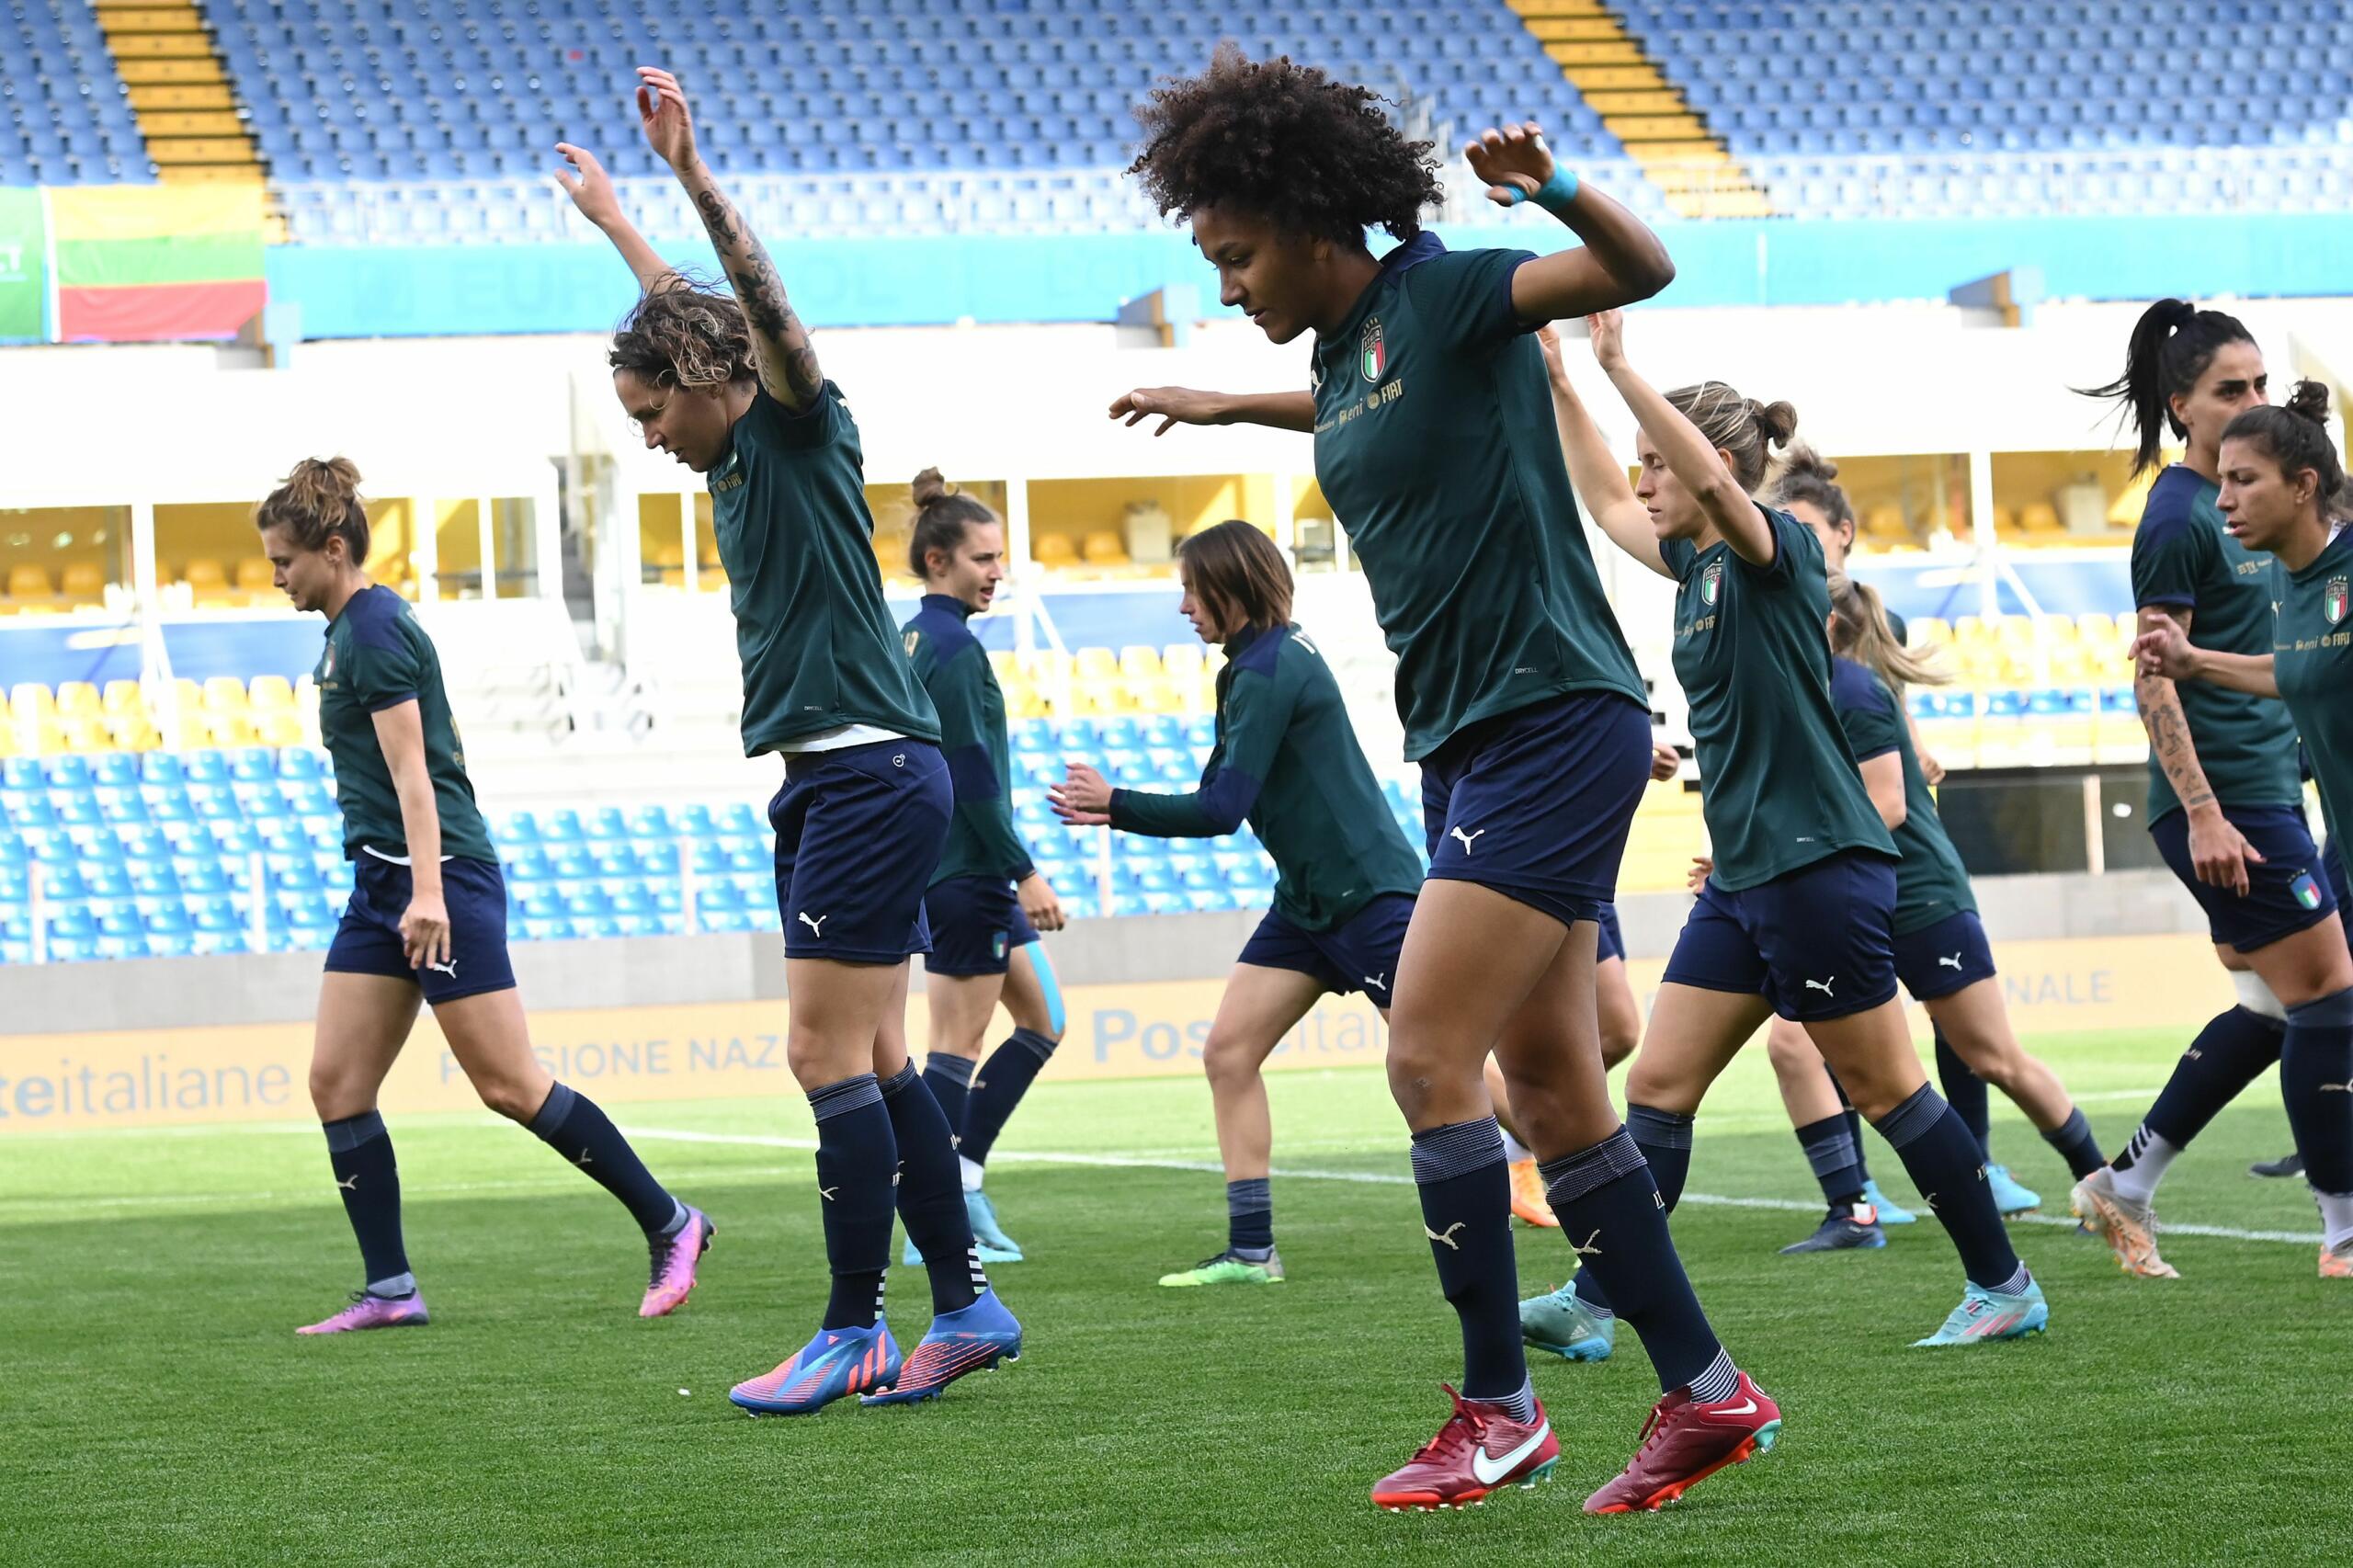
426 920
987 901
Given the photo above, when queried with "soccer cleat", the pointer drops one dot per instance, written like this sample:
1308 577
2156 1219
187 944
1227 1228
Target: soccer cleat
1527 1199
913 1258
2336 1262
1563 1325
1987 1315
837 1362
1890 1213
972 1340
987 1232
374 1312
1481 1450
2130 1229
1685 1442
671 1278
2010 1198
2288 1165
1225 1268
1842 1230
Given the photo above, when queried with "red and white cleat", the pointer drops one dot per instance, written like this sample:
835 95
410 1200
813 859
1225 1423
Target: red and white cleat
1685 1442
1480 1449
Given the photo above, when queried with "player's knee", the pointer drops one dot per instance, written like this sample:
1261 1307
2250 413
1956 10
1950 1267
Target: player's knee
1790 1051
1618 1038
1229 1062
511 1097
332 1093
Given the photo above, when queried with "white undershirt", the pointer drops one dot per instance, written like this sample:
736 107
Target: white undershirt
399 860
838 739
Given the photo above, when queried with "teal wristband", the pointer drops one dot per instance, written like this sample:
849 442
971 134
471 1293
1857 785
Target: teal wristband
1554 195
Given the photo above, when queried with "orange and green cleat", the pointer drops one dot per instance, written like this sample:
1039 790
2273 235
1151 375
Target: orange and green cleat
2130 1229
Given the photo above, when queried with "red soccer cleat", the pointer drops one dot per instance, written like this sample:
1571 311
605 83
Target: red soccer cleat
1685 1442
1480 1449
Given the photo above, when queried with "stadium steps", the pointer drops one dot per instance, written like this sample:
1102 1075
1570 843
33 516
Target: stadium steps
179 92
1677 148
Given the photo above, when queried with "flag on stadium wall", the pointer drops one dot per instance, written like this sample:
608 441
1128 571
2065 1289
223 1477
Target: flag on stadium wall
144 264
24 266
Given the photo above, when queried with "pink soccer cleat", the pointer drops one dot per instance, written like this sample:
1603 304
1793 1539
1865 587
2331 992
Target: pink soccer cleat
374 1312
671 1278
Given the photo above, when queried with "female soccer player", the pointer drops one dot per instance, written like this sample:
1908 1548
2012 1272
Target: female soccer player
1287 762
2225 806
1794 917
428 916
730 387
987 901
2284 493
1433 439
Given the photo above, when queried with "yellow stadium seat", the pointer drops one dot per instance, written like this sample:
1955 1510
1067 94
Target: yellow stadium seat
231 729
1054 550
1930 629
280 729
132 732
255 575
2041 517
1181 660
1885 523
271 694
84 582
1104 547
202 572
78 699
124 697
1096 664
28 581
30 700
84 732
225 695
1139 660
8 740
668 552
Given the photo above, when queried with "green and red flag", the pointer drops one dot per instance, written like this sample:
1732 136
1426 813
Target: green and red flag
146 263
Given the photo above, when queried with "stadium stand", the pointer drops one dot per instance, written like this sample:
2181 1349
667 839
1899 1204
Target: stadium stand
69 114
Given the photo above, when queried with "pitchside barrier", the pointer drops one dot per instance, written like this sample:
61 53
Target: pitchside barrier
150 1042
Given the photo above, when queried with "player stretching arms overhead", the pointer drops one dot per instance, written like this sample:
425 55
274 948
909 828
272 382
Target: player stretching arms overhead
428 916
986 902
2284 493
2225 806
1433 442
1794 917
730 387
1287 762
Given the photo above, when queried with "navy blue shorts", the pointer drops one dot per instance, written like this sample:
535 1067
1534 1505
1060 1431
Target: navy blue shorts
1613 941
1535 803
1814 941
2286 893
859 833
1361 955
369 940
977 925
1949 955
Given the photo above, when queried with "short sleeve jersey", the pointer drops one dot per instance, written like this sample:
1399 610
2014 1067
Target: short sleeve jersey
378 657
1287 762
2182 559
2313 661
1777 783
956 674
1436 446
1931 884
819 651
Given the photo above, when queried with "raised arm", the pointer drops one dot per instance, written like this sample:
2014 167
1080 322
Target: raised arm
1687 453
1601 482
1182 405
1620 262
591 189
781 345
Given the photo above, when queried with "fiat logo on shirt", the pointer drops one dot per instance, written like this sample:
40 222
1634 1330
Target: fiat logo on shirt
1373 353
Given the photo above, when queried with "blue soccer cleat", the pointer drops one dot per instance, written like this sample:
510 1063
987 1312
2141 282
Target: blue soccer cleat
836 1363
972 1340
1889 1213
1844 1229
1985 1315
2008 1196
1563 1325
987 1232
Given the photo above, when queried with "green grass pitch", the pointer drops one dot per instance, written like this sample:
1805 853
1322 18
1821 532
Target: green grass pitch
159 1408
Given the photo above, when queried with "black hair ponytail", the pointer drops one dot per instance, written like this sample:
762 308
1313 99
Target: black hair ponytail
2295 434
2172 344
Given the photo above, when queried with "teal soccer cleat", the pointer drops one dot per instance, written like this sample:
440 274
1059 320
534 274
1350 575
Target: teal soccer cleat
987 1232
1987 1315
1561 1324
2008 1196
1889 1213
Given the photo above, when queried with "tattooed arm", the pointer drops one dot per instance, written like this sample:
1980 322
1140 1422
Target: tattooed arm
781 343
2221 851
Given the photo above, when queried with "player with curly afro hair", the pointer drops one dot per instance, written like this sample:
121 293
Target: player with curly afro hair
1436 446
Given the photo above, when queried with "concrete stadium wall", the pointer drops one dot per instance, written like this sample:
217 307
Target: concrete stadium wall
144 1042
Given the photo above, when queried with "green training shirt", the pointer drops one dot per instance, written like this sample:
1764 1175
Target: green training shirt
2313 661
1931 884
1434 444
1287 763
1778 785
378 657
956 674
788 502
2182 559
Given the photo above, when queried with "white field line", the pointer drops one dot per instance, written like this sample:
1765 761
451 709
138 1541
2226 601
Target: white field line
1380 1178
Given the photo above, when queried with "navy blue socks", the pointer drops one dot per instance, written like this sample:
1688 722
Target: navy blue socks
361 1152
857 1158
949 1079
2075 1145
931 1195
2229 1054
1614 1213
1465 1189
1947 1163
2316 1081
998 1087
1965 1092
570 1123
1250 1218
1836 1162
